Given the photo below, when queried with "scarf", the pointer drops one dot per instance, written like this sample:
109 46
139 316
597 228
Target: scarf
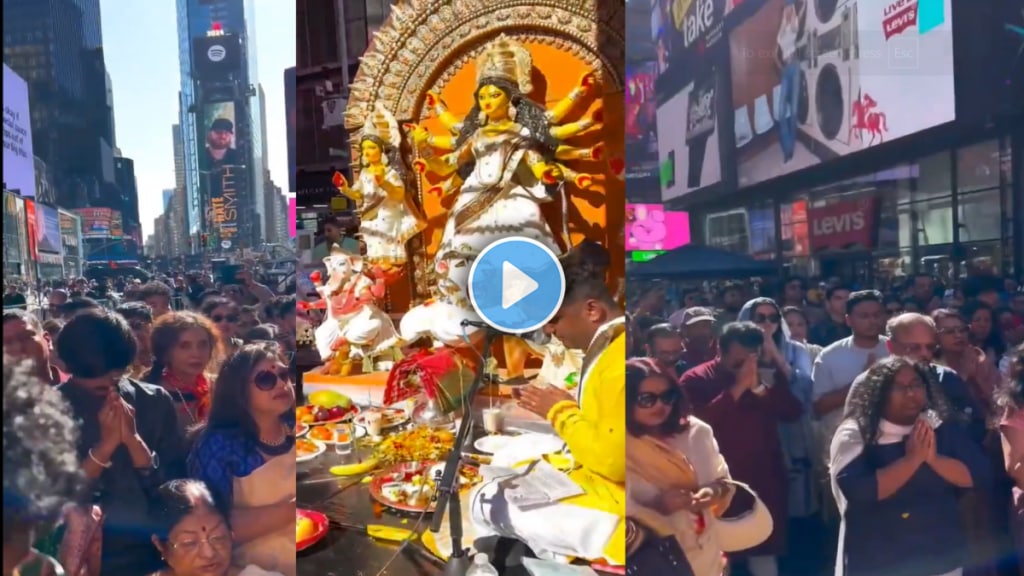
195 396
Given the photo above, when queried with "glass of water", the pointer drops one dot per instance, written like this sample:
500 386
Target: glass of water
343 438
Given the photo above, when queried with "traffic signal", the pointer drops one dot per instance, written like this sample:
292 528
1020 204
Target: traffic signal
204 240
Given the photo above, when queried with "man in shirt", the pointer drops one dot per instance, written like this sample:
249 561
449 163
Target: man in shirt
697 326
591 424
13 298
129 443
833 328
841 363
665 347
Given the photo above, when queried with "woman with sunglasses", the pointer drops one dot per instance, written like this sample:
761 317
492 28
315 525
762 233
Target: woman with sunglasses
245 454
185 347
672 501
192 535
227 317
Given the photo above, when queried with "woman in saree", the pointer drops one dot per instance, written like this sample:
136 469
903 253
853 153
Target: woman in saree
245 454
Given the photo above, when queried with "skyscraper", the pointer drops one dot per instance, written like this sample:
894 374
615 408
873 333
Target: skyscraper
235 18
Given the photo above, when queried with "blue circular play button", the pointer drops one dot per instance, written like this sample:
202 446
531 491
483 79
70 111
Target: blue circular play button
516 285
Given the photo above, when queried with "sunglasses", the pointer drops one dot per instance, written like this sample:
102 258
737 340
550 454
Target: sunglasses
266 380
762 319
232 318
648 399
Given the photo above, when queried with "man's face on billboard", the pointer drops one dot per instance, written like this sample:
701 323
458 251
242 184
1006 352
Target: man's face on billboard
219 139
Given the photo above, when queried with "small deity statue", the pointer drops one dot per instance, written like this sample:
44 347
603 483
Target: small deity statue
388 217
500 162
355 329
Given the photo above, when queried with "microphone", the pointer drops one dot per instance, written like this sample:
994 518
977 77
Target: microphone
475 324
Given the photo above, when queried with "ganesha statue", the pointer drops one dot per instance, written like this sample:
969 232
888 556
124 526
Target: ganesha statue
501 162
388 216
355 334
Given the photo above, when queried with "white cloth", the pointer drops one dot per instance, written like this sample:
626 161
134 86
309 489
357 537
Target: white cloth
526 447
391 224
698 444
369 331
253 570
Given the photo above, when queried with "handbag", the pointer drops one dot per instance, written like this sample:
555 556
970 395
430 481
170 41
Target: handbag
651 555
745 530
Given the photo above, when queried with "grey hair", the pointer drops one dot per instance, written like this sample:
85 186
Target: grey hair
906 320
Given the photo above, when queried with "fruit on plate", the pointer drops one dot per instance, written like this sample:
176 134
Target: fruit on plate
314 414
304 528
329 399
355 469
322 433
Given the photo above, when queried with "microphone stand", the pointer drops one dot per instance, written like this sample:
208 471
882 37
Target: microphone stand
458 562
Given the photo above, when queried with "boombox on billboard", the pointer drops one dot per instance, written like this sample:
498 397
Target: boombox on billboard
216 58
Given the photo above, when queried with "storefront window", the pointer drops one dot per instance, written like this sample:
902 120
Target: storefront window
980 216
906 226
981 259
934 221
978 167
794 229
935 177
762 231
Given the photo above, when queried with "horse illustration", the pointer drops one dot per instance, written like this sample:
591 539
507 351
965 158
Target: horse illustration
865 117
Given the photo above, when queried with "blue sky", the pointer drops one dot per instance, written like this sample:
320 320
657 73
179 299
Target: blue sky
141 48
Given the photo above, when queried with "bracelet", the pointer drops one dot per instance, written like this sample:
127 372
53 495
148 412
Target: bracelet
98 463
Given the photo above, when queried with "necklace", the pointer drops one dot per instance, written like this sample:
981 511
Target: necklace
277 447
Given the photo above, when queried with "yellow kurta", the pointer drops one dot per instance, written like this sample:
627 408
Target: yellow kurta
594 430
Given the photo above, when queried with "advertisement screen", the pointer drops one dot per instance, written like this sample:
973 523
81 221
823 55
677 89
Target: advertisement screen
31 231
217 127
641 121
685 29
95 222
289 109
14 216
651 227
812 81
69 231
116 224
688 146
291 217
47 229
225 185
19 165
216 58
117 252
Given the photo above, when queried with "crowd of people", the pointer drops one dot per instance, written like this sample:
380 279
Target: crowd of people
154 435
883 434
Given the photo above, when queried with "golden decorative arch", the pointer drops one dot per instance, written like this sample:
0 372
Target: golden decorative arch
425 42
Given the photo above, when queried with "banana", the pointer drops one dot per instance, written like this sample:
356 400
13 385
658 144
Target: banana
355 469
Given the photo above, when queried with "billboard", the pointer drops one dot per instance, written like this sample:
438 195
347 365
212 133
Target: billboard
289 109
224 208
70 230
31 234
689 143
216 58
641 120
683 30
291 217
116 224
14 224
217 131
813 81
47 229
19 165
95 222
651 227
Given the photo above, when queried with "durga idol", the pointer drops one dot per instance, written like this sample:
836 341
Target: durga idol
503 161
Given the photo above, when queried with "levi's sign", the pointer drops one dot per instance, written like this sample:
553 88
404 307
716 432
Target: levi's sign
843 224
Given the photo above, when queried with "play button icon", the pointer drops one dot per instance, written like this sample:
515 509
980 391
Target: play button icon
516 285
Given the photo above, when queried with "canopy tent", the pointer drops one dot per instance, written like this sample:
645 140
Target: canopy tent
695 262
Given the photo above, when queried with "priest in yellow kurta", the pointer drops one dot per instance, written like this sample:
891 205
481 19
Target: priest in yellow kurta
591 422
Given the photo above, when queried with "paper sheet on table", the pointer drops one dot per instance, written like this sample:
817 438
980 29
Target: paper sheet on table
538 484
526 447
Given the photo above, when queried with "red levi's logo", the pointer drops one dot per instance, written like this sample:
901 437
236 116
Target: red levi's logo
898 17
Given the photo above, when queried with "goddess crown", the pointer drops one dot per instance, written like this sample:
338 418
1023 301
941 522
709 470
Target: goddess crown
381 125
506 59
